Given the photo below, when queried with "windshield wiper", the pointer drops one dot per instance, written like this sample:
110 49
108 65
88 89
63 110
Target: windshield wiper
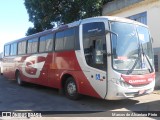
136 61
144 54
140 50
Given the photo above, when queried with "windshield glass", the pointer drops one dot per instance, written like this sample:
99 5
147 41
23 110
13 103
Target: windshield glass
131 48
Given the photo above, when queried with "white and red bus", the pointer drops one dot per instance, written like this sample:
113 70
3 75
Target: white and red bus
104 57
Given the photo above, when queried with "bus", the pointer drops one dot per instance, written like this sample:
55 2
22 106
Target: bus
104 57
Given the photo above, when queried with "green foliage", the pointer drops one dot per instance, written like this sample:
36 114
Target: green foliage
43 12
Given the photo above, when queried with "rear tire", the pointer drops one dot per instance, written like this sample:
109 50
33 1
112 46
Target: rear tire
71 89
18 79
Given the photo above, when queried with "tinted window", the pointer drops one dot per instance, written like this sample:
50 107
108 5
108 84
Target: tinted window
42 44
69 39
46 43
59 41
22 47
32 46
49 42
65 40
7 50
93 28
13 49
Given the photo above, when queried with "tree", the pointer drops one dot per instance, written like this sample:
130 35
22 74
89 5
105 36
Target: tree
42 13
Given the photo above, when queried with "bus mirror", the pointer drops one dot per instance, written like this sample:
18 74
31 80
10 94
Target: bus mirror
113 38
108 31
114 34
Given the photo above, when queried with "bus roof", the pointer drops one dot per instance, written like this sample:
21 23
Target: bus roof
76 23
118 19
73 24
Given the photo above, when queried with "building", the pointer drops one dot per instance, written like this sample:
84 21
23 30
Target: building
145 11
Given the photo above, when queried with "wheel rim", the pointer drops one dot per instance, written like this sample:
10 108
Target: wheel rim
71 88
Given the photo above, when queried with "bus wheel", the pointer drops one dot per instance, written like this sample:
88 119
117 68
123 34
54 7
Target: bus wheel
18 79
71 89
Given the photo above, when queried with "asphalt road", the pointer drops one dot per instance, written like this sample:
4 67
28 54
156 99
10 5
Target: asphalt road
37 98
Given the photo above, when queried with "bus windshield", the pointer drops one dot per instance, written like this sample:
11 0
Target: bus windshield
131 48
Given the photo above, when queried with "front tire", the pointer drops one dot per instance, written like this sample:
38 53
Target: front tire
71 89
18 79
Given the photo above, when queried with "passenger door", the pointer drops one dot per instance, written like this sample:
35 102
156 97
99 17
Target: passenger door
93 45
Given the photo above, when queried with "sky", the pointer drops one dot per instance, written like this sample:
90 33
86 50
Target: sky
14 21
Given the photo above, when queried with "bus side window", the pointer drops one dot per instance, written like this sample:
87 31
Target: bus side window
69 39
42 44
32 45
46 43
65 40
59 41
22 47
13 49
7 50
49 42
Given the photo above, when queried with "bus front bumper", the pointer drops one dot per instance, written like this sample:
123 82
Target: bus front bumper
117 91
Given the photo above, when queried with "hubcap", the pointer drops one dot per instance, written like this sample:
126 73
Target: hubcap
71 88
